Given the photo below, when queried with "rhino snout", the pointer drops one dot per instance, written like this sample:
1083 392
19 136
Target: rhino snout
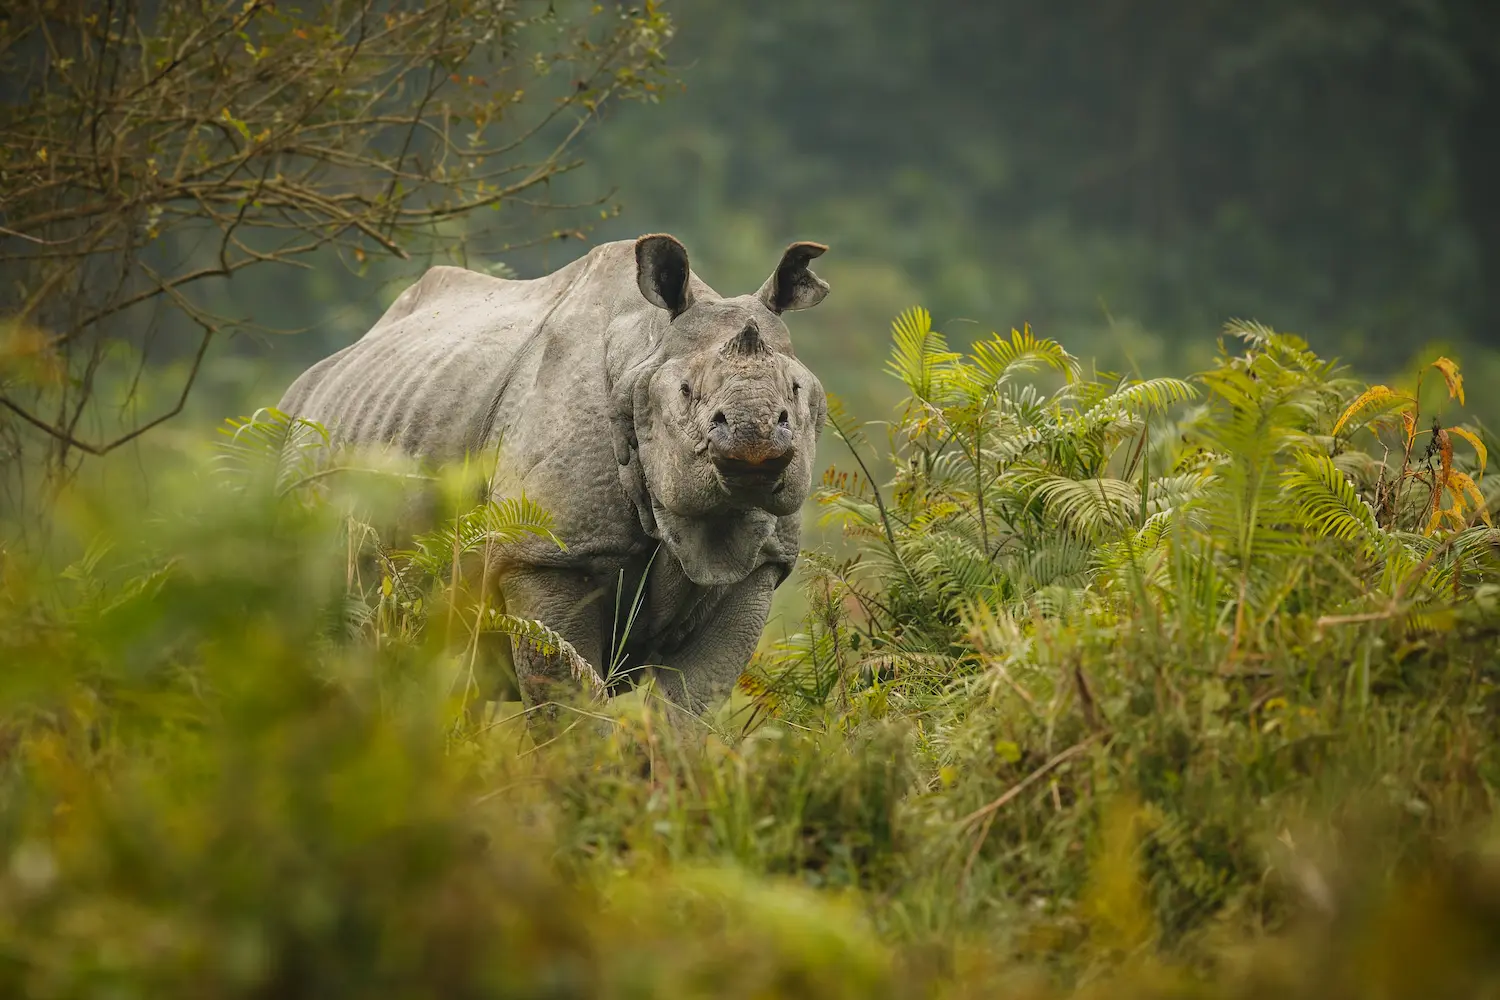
753 451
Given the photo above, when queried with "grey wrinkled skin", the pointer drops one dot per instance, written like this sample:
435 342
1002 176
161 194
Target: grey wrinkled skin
638 407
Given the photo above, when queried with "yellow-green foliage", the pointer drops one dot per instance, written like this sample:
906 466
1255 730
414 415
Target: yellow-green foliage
1125 689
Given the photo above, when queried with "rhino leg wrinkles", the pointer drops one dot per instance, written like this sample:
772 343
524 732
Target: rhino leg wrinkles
702 668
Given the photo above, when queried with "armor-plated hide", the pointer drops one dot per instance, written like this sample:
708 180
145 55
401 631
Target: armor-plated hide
640 409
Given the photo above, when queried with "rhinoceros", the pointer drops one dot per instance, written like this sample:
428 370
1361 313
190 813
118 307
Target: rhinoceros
668 430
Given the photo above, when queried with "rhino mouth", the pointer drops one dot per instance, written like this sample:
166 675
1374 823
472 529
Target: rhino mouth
739 475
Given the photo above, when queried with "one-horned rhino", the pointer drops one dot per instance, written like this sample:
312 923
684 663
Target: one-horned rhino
668 430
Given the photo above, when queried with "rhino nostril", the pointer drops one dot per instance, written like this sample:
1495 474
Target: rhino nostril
782 420
720 419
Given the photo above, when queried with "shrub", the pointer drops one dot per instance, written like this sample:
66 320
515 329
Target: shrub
1165 688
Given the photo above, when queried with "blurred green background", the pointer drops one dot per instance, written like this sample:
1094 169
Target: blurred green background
1124 176
221 775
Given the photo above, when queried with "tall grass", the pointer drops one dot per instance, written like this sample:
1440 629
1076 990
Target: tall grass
1183 687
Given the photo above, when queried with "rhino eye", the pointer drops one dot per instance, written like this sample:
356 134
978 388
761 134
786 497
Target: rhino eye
796 388
686 391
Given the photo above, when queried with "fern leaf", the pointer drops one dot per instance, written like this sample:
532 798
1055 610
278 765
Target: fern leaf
548 642
1151 395
998 360
1253 333
512 518
918 353
843 424
1477 539
1328 501
270 442
496 522
1089 505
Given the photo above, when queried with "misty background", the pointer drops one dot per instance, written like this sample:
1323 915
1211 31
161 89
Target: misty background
1123 176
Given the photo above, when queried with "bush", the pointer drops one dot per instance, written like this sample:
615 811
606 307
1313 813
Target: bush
1162 688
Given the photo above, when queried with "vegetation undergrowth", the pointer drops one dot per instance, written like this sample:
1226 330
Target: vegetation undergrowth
1119 687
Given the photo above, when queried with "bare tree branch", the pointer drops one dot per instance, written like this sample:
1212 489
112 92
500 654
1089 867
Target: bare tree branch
163 147
66 437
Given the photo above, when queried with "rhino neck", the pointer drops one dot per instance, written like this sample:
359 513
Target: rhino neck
717 550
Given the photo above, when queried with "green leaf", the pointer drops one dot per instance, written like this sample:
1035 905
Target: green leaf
1328 502
919 354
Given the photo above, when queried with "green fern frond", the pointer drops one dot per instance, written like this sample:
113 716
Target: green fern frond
845 509
1060 560
1089 506
1025 405
802 668
1167 493
918 354
994 363
548 642
849 430
1478 539
1328 502
1058 601
270 443
848 574
1253 333
1155 395
496 522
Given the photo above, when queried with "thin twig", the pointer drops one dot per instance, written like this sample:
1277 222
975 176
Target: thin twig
990 811
885 519
101 449
1028 781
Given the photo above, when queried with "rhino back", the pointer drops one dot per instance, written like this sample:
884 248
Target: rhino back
462 362
426 377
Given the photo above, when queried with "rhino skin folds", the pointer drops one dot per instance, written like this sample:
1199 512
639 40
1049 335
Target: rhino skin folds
641 409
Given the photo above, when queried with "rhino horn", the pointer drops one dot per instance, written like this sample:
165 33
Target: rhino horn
747 343
793 285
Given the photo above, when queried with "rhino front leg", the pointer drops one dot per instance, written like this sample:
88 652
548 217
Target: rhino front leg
702 672
570 604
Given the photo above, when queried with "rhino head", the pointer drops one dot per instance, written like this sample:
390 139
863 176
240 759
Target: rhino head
724 419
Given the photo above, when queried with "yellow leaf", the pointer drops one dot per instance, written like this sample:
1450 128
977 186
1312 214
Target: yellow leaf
1409 422
1462 486
1473 439
240 126
1434 521
41 154
1452 377
1374 394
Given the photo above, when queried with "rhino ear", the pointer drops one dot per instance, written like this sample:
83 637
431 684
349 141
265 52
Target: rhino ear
793 285
661 271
